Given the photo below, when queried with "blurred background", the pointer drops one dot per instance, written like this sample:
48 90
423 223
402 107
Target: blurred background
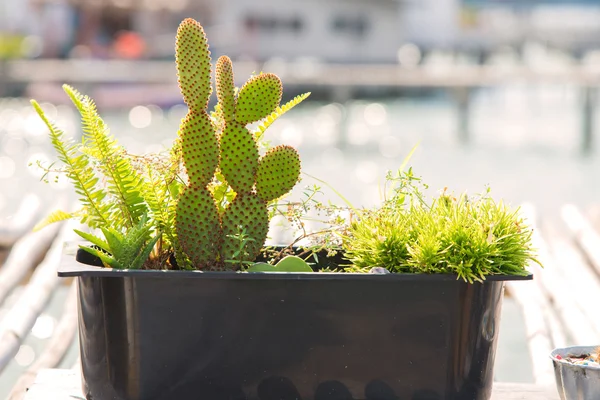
496 92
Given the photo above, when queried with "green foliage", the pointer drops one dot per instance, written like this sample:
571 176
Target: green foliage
240 241
53 217
122 251
117 191
124 184
279 111
286 264
192 221
79 170
468 237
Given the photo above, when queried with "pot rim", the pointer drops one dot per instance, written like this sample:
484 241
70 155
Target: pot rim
581 348
70 267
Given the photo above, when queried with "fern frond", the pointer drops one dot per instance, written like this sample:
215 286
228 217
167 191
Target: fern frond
53 217
279 111
124 183
80 172
155 193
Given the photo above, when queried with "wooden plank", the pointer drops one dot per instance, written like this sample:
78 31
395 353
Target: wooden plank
536 309
21 318
583 232
65 384
577 280
11 229
56 348
562 289
23 257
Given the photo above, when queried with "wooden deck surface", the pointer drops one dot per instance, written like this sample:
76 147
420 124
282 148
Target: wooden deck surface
65 384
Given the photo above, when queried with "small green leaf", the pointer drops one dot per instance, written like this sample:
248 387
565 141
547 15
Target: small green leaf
262 267
293 264
287 264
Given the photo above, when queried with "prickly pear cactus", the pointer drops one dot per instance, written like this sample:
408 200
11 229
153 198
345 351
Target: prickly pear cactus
256 180
207 238
197 219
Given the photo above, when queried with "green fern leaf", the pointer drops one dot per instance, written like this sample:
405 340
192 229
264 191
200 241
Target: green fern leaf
53 217
123 181
80 173
279 111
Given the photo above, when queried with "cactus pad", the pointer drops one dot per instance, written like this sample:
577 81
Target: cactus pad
250 213
225 87
193 64
207 239
277 173
200 148
198 226
258 98
239 157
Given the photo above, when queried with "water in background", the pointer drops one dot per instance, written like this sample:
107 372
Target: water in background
525 144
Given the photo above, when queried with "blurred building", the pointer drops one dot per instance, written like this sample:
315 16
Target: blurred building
333 31
356 31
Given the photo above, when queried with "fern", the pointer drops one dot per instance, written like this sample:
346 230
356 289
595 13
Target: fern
79 170
124 183
279 111
155 193
53 217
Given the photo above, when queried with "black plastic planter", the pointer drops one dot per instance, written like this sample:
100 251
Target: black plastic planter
320 336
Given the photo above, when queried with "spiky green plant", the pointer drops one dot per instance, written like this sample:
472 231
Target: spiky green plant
122 251
208 236
470 237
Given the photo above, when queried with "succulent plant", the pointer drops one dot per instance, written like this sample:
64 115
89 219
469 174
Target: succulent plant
208 238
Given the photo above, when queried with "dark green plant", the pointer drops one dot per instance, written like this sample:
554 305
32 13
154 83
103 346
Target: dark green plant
468 237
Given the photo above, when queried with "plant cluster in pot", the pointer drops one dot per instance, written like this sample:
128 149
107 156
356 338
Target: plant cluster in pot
180 297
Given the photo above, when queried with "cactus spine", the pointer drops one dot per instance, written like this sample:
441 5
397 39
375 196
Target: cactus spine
207 238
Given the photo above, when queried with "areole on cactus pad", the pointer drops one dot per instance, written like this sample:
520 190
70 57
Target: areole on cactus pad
207 238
